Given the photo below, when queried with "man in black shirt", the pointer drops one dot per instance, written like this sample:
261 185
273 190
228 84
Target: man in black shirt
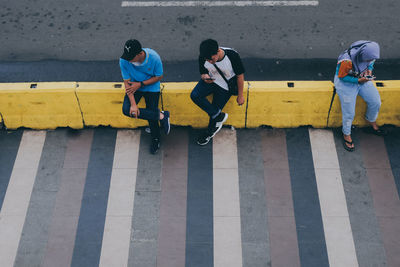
214 60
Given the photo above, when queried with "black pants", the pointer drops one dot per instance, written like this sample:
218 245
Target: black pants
151 113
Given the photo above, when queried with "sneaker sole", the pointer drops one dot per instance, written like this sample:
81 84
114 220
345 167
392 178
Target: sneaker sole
203 144
220 127
169 127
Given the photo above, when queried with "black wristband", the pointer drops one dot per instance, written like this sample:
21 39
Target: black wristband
142 84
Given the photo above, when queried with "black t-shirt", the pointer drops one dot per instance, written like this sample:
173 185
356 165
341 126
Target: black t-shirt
230 66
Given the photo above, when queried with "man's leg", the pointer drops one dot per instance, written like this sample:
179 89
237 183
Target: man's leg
199 94
152 113
126 106
348 96
371 96
220 98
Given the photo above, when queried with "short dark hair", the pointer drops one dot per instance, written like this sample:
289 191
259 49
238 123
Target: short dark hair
131 49
208 48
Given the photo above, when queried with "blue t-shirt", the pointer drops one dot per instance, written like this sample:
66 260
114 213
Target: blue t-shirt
150 67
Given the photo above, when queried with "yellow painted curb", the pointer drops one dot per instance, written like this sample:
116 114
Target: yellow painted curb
176 99
40 105
101 104
284 104
280 104
388 114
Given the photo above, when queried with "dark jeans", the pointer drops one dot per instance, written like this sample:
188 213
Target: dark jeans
150 113
220 98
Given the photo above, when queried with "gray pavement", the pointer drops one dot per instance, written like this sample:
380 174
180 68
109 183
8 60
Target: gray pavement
251 197
95 30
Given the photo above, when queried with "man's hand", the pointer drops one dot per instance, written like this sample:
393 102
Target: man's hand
206 78
363 80
240 100
132 88
134 111
368 72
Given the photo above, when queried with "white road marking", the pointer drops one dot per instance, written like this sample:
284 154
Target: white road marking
18 195
216 3
118 225
226 203
332 198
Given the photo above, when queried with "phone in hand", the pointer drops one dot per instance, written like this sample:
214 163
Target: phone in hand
369 77
209 79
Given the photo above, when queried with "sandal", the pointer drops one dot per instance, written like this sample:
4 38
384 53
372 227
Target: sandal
345 144
379 132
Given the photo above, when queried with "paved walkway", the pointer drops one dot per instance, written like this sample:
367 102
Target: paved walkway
265 197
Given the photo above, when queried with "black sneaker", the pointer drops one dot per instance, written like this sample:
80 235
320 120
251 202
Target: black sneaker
155 145
219 121
165 122
204 139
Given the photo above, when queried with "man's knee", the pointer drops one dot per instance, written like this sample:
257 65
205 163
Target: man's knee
125 110
194 95
376 103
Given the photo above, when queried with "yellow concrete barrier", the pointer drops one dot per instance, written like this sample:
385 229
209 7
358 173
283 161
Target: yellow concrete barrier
289 104
40 105
101 104
176 99
278 104
388 114
390 97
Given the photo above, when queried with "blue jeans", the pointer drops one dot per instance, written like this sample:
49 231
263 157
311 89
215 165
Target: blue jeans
348 92
151 113
220 98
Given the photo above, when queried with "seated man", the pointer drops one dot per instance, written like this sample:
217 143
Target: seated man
142 71
215 61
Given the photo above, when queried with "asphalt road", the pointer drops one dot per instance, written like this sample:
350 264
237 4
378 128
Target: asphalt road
71 38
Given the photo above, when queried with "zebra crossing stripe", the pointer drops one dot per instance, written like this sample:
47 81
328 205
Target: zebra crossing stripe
227 235
16 200
335 216
117 229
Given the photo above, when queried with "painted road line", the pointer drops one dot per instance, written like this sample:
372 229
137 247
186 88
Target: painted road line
172 233
89 234
216 3
227 231
117 228
364 223
32 245
392 142
284 247
9 143
199 224
146 209
16 200
61 236
307 210
253 207
335 216
384 193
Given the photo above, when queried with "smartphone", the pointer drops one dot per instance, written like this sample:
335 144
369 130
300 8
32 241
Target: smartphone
369 77
209 79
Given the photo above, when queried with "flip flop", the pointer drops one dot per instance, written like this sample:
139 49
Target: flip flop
345 142
379 132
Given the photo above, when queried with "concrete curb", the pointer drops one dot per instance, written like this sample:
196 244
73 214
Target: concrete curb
281 104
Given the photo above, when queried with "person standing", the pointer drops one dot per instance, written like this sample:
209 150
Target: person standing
354 77
217 66
142 70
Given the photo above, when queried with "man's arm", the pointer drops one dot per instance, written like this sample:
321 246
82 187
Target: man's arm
130 89
240 83
152 80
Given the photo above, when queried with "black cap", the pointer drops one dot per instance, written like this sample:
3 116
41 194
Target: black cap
131 49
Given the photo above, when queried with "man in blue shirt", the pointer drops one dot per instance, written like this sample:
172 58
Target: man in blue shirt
142 70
